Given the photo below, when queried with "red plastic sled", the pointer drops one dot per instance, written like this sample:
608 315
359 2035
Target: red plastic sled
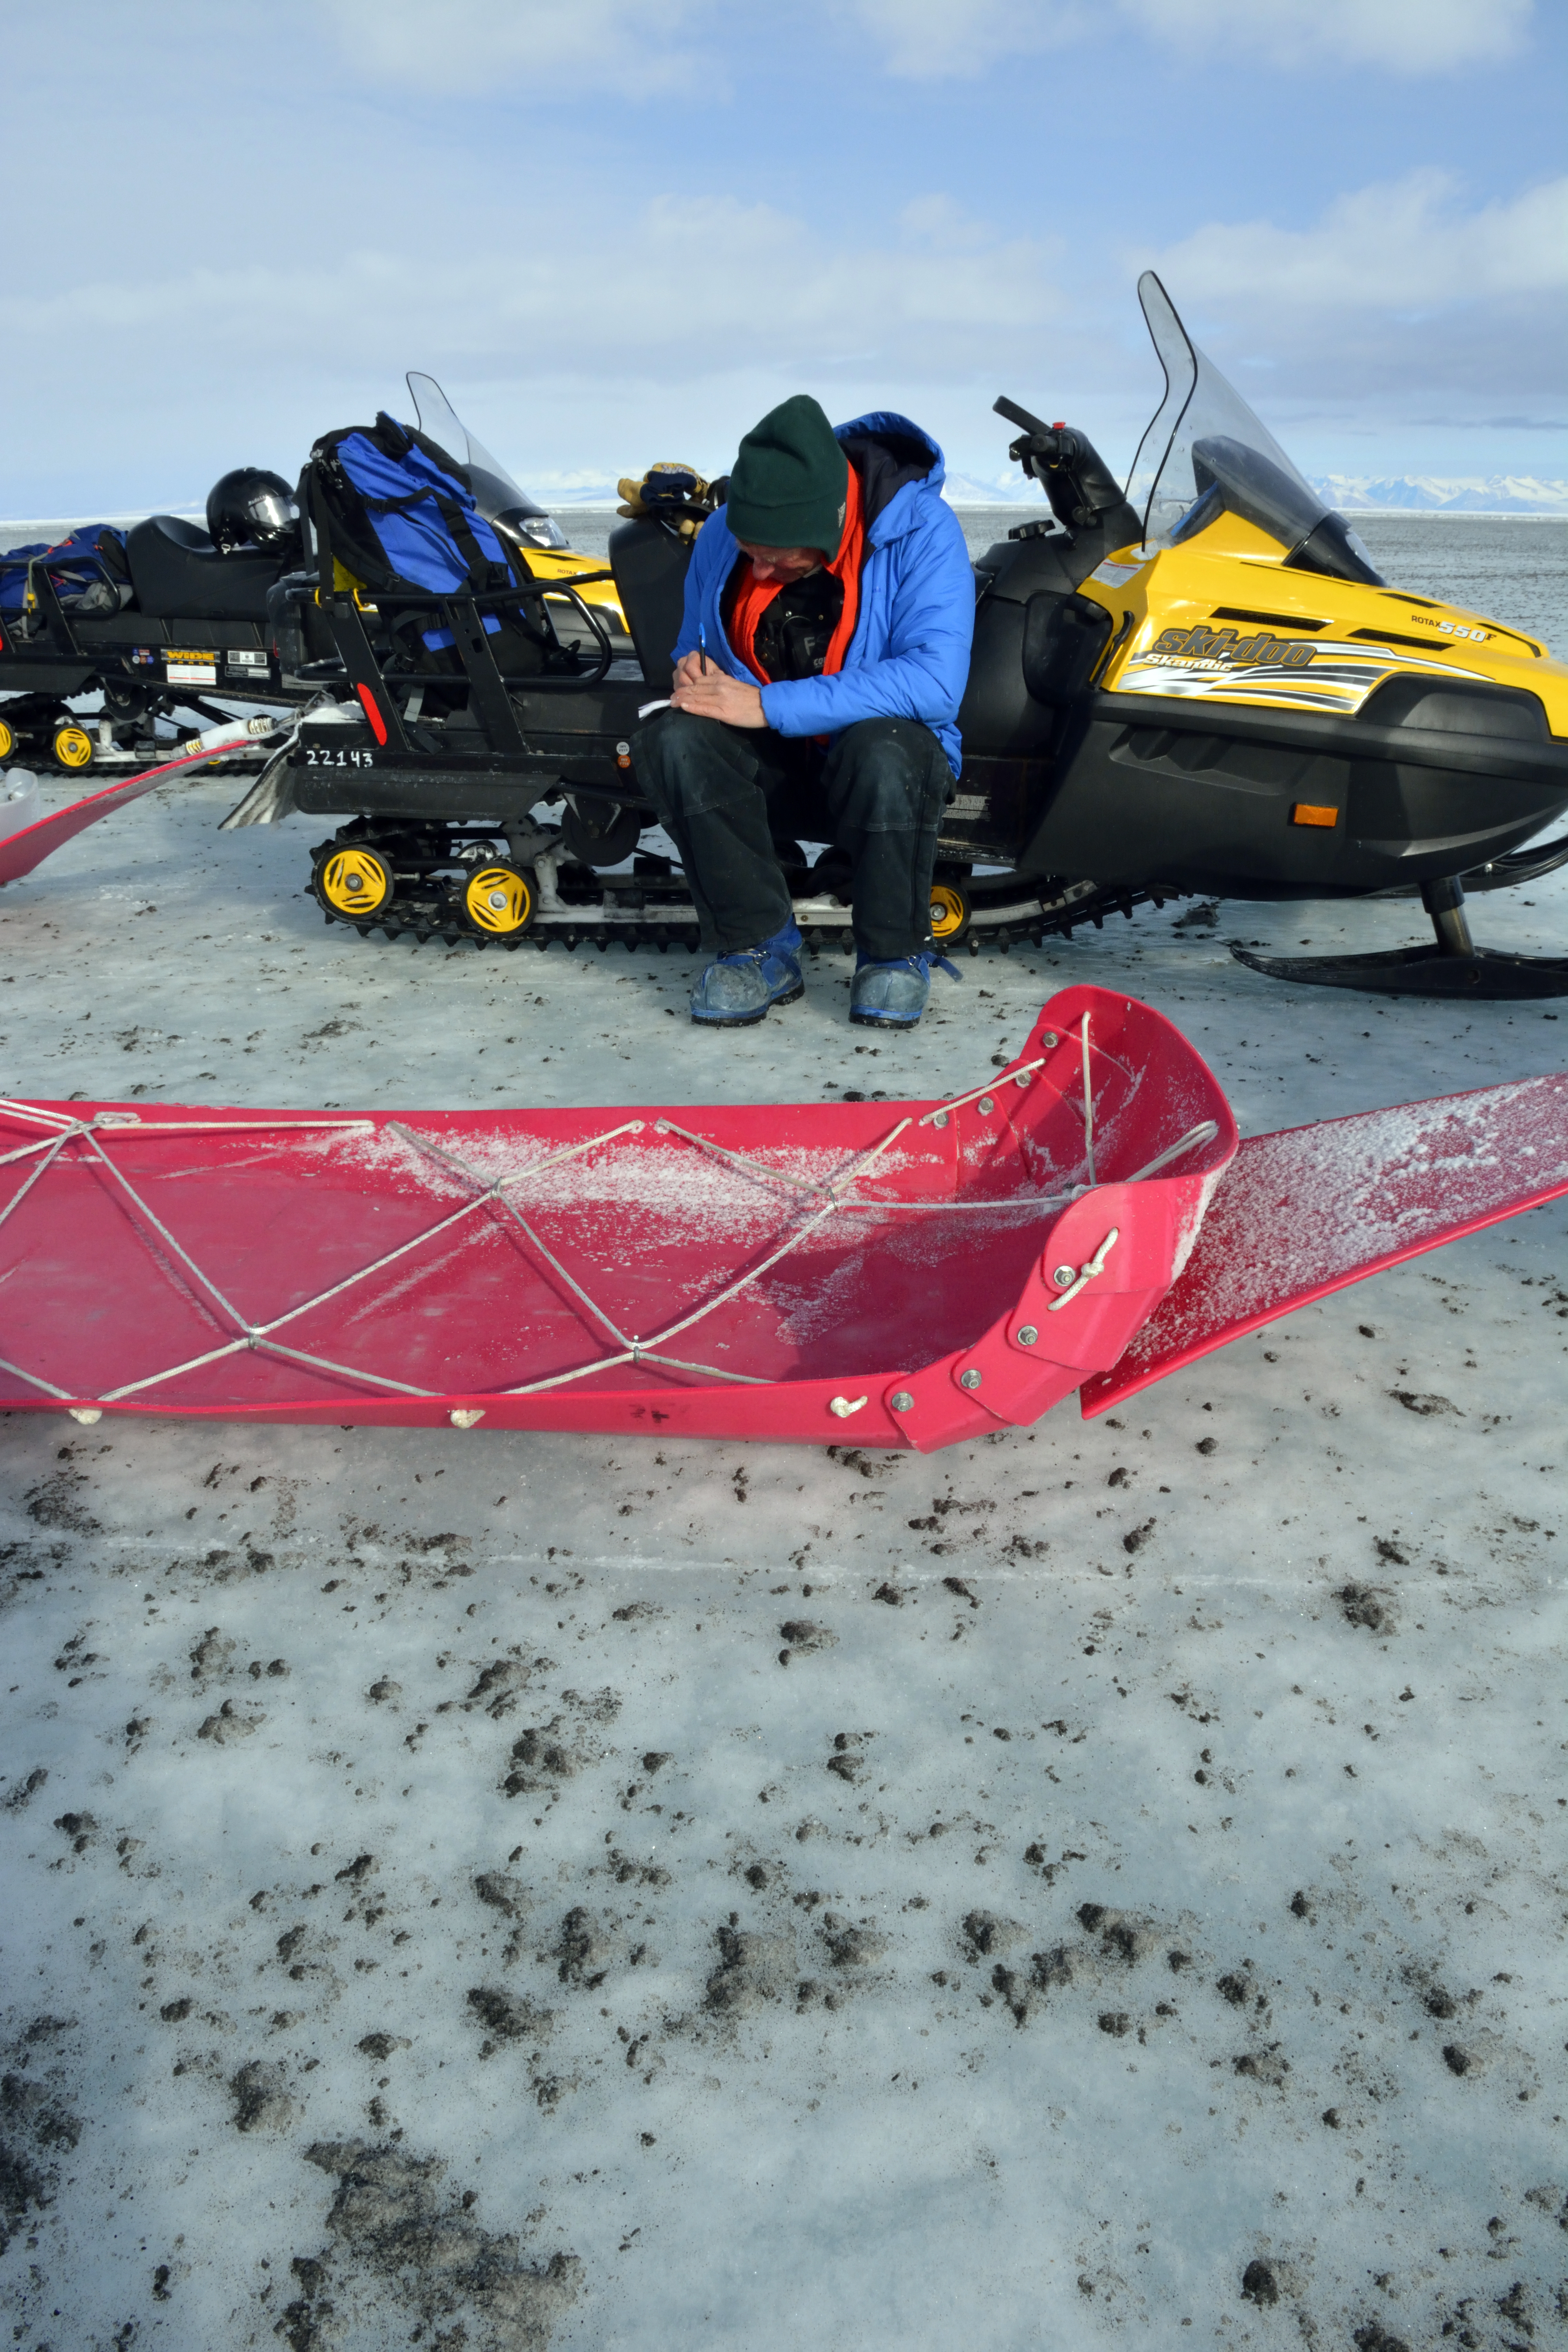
897 1274
21 851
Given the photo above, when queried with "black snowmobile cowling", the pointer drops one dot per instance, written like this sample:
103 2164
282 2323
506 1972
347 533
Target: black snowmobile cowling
1197 683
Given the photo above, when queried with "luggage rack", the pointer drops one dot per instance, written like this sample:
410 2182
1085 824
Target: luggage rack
462 616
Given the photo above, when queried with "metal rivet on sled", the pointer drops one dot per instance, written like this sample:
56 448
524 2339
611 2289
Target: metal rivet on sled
1064 1276
1048 1038
1021 1079
969 1379
901 1400
986 1104
1027 1335
939 1119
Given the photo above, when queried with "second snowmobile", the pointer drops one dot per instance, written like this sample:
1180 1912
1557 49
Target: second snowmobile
157 618
153 620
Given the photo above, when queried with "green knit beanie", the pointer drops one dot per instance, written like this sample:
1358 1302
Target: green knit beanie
790 480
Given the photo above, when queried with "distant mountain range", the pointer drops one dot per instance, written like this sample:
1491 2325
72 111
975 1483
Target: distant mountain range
581 491
1500 494
1009 489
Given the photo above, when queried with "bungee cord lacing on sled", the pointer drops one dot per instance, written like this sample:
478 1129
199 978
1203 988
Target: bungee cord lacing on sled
1086 1220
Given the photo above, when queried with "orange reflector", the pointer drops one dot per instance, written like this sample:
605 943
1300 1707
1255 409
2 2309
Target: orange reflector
1305 813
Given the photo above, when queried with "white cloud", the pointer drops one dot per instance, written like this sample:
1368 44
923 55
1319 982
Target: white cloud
634 46
943 40
599 336
1402 246
687 282
1400 299
1407 36
946 39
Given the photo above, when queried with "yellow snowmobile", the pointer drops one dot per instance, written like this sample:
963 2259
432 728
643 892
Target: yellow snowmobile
1263 716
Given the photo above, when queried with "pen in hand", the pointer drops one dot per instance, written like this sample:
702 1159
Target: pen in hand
702 646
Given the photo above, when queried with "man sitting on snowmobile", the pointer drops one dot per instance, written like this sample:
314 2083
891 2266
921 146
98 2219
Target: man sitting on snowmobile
820 665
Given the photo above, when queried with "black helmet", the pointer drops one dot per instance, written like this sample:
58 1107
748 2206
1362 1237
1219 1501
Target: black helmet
252 509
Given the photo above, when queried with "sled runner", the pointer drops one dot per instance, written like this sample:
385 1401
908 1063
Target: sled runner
27 836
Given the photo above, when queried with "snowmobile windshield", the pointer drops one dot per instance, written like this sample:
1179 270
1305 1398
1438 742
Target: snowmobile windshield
498 497
1206 453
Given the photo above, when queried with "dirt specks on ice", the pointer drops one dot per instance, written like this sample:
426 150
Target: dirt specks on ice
401 2246
433 1914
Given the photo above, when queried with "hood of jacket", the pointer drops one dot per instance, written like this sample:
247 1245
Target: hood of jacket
896 461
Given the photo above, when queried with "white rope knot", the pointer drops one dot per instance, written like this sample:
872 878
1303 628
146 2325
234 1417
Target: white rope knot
1085 1272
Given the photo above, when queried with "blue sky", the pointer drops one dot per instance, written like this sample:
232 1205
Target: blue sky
619 232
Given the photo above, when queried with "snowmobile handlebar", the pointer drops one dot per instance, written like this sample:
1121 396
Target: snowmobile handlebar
1017 415
1068 467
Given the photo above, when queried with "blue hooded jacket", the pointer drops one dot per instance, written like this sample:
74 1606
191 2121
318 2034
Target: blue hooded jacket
909 657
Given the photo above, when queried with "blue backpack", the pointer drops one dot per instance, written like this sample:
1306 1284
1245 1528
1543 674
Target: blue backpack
399 514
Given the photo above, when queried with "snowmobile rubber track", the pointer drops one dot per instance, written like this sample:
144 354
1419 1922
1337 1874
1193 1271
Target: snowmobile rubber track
678 932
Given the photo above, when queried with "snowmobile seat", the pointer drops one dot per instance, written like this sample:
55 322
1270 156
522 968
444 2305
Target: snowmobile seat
178 572
649 566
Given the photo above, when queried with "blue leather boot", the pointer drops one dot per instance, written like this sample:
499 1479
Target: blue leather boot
737 990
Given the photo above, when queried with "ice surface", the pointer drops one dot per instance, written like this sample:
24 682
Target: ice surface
580 1893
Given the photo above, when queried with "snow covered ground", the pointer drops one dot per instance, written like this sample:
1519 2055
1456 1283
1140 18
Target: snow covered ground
1098 1884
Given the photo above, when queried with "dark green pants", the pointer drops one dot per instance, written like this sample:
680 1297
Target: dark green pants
725 794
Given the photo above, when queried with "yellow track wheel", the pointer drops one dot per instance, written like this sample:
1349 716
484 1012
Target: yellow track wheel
71 746
7 740
354 882
949 912
499 901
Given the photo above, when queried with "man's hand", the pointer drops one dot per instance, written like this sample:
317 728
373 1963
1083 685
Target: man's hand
716 695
